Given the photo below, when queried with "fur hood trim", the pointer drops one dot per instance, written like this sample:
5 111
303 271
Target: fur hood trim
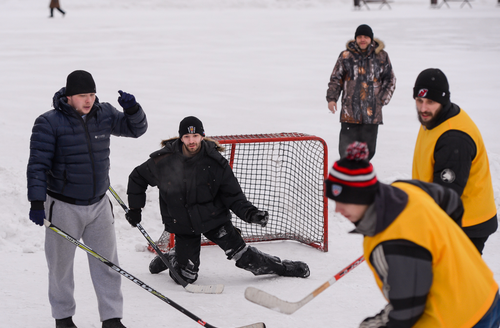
379 45
217 144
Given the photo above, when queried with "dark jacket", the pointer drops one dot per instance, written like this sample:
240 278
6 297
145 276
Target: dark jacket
69 156
54 4
196 193
366 80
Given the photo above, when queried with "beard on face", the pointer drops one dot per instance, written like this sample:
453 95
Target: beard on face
190 152
430 122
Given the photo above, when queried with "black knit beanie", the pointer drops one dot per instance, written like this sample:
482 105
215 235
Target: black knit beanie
352 179
191 125
79 82
364 30
432 84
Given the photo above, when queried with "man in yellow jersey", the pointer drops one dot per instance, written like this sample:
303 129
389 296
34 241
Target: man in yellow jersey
450 151
430 273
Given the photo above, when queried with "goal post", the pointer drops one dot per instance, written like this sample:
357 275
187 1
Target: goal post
282 173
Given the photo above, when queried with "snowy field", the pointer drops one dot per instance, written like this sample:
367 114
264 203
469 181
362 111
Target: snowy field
242 67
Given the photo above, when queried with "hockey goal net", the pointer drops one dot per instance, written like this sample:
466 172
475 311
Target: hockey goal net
284 174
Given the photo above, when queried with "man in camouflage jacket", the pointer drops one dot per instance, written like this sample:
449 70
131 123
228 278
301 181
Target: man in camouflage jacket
364 74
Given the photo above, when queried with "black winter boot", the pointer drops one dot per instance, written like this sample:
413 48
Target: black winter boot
157 265
295 269
113 323
259 263
65 323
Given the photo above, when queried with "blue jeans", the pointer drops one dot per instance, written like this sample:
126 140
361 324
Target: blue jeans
492 318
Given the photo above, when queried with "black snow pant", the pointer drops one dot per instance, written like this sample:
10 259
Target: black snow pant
59 9
228 238
351 132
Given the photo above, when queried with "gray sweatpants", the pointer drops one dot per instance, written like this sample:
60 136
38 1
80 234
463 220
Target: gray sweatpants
94 224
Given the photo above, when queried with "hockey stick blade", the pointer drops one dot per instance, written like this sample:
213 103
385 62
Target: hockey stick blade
269 301
204 289
197 289
274 303
255 325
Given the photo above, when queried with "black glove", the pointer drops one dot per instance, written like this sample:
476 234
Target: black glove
259 217
126 100
134 216
37 213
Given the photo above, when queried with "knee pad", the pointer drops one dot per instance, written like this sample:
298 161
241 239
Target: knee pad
188 272
235 254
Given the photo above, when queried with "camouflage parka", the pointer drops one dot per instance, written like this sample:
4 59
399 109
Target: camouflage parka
367 81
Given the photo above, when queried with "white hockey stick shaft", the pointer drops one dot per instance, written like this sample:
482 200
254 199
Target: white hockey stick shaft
274 303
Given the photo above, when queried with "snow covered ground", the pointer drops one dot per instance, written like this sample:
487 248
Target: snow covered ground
242 66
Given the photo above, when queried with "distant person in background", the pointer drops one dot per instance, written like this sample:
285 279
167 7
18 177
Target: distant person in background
450 151
54 4
364 75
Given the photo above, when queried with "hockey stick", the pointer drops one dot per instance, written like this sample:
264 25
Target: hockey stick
200 289
269 301
135 280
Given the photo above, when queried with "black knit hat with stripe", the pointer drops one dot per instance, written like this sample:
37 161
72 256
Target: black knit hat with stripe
352 179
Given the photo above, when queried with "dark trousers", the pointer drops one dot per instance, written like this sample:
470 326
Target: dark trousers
350 132
52 11
479 243
188 247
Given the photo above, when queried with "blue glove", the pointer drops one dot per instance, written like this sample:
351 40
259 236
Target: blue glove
126 100
37 216
37 213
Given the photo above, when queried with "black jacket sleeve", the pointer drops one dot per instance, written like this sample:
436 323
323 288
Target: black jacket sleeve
138 181
454 152
232 195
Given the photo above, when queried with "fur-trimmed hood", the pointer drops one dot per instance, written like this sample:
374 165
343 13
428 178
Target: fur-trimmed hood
377 45
217 144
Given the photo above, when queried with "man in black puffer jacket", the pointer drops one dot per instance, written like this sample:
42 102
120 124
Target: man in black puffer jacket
68 171
197 191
